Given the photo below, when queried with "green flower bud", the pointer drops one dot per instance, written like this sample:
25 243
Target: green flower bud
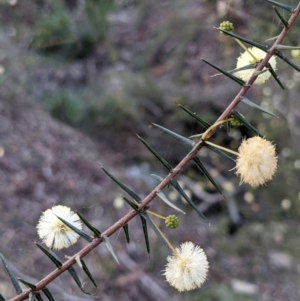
226 25
235 123
172 221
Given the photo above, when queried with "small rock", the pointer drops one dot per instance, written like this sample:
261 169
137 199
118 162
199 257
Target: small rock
244 287
280 260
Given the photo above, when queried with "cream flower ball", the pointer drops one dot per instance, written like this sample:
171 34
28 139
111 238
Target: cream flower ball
256 162
247 59
54 233
187 268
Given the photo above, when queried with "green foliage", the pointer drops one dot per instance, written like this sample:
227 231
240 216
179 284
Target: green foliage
65 106
72 34
114 109
89 110
11 275
53 30
96 12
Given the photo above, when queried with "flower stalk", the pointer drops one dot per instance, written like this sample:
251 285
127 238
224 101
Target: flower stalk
165 238
222 148
155 214
246 49
215 125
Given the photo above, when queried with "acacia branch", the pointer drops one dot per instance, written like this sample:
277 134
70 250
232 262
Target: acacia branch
165 182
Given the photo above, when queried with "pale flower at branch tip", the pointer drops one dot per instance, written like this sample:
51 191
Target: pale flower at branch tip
246 59
257 161
54 233
187 268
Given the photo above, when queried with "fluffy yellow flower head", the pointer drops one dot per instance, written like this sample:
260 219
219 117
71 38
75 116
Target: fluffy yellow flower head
246 59
187 268
54 233
257 161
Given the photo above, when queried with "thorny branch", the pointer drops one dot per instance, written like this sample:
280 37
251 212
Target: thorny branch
145 202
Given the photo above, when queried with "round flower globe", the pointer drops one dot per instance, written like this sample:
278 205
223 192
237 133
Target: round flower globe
53 232
256 162
187 268
246 59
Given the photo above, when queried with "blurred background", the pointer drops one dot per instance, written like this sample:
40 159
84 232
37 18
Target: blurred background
79 79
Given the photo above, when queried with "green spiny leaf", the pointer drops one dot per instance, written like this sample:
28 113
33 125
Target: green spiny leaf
28 284
78 231
207 174
86 270
194 115
240 117
32 297
275 76
156 177
255 44
48 294
74 275
254 105
181 138
145 230
284 22
123 186
247 67
272 39
126 231
96 232
53 257
167 166
163 197
285 47
177 187
38 297
231 76
152 225
110 248
196 136
288 61
11 275
286 7
133 205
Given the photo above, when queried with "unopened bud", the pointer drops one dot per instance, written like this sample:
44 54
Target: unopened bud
172 221
226 25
